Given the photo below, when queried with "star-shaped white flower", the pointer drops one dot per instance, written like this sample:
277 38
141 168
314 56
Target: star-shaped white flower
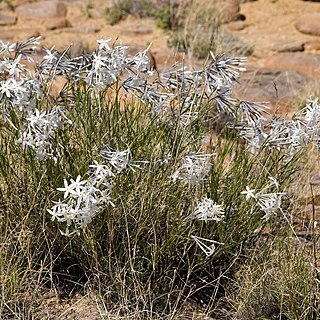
103 43
250 193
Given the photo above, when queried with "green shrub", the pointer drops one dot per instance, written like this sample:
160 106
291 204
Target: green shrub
113 15
166 16
122 8
176 205
277 282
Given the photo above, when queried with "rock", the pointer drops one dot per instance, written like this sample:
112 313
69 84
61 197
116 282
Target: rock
136 30
6 20
180 3
79 48
237 25
57 23
165 59
82 30
97 13
228 10
16 3
306 64
19 34
42 10
312 45
309 24
288 46
280 88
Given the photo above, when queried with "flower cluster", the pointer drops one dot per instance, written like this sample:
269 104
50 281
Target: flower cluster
19 89
175 97
207 210
84 199
269 202
40 129
290 135
194 169
110 65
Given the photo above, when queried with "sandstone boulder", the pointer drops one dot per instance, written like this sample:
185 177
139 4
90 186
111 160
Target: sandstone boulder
42 10
166 59
6 20
309 24
83 29
237 25
288 46
228 10
312 45
19 34
136 30
279 88
306 64
57 23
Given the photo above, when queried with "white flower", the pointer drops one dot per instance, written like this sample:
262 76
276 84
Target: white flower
119 160
269 202
50 56
6 87
40 129
250 193
100 171
207 210
74 188
83 199
103 43
7 47
310 114
273 182
206 245
67 233
194 169
98 61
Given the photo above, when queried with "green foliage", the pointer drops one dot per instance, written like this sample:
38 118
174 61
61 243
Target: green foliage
8 3
140 252
196 28
113 15
277 282
122 8
88 6
166 16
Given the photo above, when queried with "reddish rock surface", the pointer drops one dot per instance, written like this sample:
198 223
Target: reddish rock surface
228 10
42 10
313 45
6 20
19 34
288 46
137 30
306 64
57 23
279 88
84 30
309 24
